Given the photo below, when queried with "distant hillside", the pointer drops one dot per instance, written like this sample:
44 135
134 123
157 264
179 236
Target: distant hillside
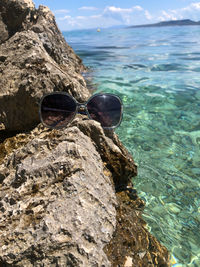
184 22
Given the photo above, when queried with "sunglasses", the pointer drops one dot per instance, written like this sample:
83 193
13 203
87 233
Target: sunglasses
58 109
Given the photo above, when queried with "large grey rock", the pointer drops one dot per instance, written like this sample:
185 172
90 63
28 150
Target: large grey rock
34 60
57 200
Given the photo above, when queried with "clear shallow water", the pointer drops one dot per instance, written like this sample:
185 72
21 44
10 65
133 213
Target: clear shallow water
156 72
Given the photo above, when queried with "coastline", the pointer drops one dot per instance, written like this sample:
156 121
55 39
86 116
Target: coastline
170 23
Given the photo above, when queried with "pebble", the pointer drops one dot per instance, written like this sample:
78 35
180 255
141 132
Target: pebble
128 262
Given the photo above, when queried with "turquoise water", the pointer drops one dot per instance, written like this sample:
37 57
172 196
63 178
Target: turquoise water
156 72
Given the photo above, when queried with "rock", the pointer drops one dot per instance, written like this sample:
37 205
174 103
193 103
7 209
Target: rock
129 262
114 155
57 197
13 15
56 202
34 60
3 30
131 242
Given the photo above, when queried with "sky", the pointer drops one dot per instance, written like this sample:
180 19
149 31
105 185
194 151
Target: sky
86 14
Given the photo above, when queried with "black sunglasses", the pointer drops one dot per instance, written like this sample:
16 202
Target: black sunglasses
58 109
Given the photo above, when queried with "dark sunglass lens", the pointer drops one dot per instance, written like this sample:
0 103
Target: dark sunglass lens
57 110
105 109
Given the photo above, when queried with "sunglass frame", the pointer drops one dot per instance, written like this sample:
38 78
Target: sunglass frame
78 105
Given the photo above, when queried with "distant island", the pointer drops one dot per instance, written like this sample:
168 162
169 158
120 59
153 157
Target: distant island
184 22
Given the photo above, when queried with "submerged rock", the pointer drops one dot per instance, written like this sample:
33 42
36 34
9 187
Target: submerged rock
66 196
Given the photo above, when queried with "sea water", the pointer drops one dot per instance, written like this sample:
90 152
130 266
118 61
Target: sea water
156 72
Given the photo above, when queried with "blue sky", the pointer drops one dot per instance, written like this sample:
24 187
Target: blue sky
84 14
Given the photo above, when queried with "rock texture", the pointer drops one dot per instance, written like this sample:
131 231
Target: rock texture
34 60
57 205
132 244
66 196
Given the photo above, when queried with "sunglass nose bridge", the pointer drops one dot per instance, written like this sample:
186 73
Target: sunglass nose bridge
82 109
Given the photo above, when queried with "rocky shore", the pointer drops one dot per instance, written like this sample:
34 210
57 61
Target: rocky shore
66 196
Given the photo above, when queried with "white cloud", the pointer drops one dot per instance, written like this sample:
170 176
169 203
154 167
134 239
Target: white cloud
61 11
191 11
72 22
167 16
137 8
64 18
148 15
81 17
122 15
91 8
113 9
193 6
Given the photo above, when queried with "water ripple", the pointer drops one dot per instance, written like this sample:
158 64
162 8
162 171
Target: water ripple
135 66
168 67
155 72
